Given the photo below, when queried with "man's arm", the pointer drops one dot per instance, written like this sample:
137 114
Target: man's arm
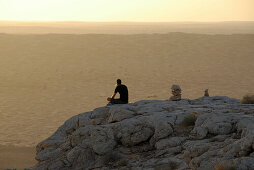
113 96
109 99
115 92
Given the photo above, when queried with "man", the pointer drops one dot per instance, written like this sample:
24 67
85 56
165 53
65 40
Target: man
123 91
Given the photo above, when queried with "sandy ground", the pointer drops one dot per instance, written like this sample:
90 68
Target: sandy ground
46 79
16 157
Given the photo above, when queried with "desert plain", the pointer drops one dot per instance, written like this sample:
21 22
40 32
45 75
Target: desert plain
48 77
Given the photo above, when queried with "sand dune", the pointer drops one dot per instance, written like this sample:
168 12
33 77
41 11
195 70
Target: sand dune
45 79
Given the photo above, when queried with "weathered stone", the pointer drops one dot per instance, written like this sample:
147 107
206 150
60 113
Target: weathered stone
84 119
132 132
245 163
162 130
102 140
102 112
169 142
117 114
199 132
49 154
149 135
73 154
221 128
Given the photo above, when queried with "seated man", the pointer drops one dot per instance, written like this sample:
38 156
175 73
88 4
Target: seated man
123 91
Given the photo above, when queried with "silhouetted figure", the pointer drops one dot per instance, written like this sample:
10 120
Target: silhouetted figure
123 91
206 93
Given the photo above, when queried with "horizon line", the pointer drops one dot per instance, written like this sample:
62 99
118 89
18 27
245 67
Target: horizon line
80 21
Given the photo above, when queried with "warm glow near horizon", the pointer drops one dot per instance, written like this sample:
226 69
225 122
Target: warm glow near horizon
126 10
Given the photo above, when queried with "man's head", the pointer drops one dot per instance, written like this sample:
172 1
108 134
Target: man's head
119 82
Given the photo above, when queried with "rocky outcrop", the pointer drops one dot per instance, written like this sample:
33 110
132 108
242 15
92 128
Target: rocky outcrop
154 135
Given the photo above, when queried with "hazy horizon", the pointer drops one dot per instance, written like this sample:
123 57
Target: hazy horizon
80 27
83 21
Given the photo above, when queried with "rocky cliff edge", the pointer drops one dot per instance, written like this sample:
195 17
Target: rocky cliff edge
205 133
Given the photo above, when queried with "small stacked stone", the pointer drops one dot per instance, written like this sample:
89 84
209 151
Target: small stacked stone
206 93
176 92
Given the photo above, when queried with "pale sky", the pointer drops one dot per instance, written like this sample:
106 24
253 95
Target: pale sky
127 10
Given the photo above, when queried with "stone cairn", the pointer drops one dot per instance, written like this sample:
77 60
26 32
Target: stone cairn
206 93
176 92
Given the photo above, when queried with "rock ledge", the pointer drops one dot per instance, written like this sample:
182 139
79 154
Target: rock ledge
204 133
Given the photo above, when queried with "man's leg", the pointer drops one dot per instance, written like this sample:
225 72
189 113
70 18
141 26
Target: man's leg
117 101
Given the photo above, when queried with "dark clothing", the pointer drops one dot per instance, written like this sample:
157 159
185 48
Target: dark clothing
117 101
123 91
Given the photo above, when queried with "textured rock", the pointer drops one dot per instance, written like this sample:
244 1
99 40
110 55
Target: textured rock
149 135
163 128
133 131
169 142
245 163
117 114
102 140
199 132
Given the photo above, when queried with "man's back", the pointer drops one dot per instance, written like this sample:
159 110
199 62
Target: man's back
123 91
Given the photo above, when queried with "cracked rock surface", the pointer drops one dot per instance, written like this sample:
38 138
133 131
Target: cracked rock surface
188 134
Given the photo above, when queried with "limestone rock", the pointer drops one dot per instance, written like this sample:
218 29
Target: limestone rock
133 131
169 142
148 135
199 132
245 163
102 140
117 114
